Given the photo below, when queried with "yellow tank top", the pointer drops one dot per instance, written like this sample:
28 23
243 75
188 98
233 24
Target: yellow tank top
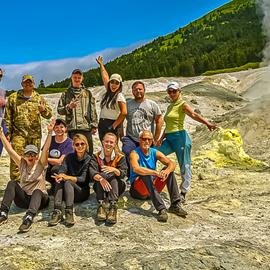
175 116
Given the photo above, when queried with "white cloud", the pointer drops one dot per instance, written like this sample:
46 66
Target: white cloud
57 70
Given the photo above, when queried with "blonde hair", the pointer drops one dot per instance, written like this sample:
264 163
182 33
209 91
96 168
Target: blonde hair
80 137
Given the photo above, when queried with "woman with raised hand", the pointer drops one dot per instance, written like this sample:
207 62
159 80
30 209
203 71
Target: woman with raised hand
72 181
113 103
175 139
30 192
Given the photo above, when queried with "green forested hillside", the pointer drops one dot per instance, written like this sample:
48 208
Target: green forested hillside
227 37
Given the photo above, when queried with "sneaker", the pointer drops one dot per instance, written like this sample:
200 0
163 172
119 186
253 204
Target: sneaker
162 215
69 217
176 208
112 215
101 212
3 217
26 224
56 217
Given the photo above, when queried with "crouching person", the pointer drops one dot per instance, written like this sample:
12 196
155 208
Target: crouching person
108 169
147 182
72 181
30 192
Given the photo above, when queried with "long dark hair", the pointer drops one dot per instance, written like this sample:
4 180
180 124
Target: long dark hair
109 98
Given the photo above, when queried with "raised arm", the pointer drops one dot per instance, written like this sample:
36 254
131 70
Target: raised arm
46 146
103 71
16 158
195 116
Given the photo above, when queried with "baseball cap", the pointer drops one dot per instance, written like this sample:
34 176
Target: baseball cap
30 148
27 77
77 70
173 85
116 77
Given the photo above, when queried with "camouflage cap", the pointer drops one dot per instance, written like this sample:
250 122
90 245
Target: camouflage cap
27 77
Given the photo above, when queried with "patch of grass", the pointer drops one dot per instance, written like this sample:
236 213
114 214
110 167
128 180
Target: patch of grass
235 69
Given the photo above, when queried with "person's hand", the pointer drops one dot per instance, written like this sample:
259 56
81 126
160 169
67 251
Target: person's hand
163 174
51 125
2 102
211 127
41 106
105 184
93 130
99 60
8 138
159 142
108 169
57 177
72 104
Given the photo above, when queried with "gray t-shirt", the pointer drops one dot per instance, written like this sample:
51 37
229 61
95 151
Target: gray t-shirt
141 116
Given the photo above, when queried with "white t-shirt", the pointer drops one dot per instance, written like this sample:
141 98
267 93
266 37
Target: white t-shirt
112 114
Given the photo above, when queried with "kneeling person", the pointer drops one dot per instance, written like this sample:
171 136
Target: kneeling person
30 192
108 169
147 182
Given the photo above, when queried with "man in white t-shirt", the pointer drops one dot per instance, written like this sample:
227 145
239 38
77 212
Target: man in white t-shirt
142 114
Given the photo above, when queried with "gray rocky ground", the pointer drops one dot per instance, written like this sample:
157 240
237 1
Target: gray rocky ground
228 222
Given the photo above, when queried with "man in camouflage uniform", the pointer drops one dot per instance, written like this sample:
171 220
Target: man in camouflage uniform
23 119
79 107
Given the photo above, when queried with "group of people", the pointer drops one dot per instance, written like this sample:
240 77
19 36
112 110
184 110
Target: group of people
67 160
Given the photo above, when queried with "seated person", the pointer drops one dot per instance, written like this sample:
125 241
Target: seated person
108 169
30 192
72 181
61 145
147 182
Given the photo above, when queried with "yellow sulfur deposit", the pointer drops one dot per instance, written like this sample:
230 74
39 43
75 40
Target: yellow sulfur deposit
226 149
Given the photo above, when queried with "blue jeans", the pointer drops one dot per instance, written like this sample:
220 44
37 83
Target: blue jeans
179 143
5 132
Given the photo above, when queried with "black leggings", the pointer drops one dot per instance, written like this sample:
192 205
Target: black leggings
105 126
70 192
33 203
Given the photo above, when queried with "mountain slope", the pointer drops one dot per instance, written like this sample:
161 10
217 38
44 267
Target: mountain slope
227 37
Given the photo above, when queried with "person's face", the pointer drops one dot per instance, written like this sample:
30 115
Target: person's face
1 75
79 146
59 129
114 85
138 91
146 140
30 158
28 85
76 80
173 94
108 143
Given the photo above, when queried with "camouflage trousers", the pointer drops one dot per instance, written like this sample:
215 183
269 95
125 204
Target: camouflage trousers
18 143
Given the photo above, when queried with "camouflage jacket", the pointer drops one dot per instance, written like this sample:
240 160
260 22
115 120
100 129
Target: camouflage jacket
84 116
22 115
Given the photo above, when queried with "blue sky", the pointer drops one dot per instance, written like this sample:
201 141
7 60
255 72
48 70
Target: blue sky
45 31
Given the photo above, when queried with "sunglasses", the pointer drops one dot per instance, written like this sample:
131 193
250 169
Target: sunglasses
30 154
174 91
146 139
79 144
114 82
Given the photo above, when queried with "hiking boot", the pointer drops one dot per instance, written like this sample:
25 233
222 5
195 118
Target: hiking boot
69 217
26 224
56 217
3 217
162 215
176 208
112 215
101 212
